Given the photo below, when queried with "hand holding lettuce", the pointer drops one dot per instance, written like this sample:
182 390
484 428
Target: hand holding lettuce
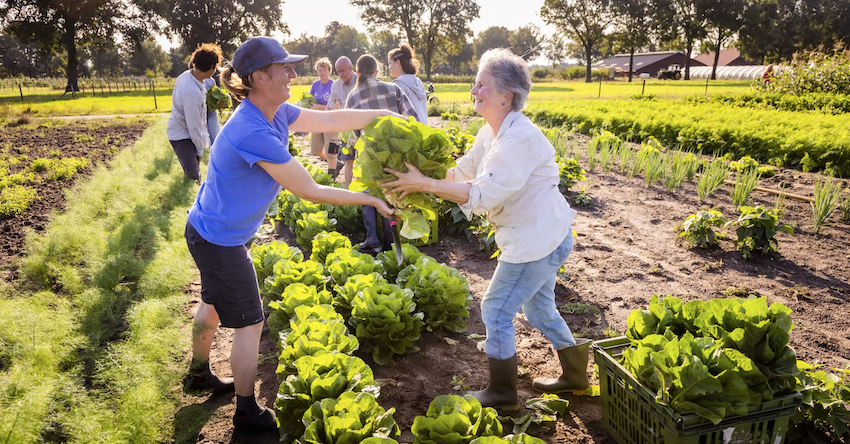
390 142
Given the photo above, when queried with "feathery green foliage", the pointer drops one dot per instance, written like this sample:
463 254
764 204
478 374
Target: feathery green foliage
825 201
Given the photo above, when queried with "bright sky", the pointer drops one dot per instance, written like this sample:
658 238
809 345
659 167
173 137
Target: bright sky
312 16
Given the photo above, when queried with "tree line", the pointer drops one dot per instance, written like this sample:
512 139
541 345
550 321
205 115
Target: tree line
115 37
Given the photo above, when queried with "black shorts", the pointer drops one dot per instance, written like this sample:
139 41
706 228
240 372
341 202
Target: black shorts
228 280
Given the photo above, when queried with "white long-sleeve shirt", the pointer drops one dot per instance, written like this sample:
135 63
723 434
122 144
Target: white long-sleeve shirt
514 178
189 112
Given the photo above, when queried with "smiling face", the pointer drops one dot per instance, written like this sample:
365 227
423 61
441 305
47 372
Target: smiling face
488 101
275 80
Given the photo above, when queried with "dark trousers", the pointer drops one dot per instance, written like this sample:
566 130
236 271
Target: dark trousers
188 157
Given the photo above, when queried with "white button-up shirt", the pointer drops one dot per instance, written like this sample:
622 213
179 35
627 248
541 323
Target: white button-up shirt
514 178
189 112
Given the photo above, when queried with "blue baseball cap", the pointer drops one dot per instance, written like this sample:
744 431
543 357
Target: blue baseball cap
260 51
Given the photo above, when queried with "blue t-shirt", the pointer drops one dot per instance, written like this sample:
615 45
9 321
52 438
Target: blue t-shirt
233 200
322 93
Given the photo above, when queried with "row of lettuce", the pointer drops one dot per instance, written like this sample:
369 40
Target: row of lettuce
726 357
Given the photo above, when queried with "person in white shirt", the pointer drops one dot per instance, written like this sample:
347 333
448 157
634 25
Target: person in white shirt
187 127
512 175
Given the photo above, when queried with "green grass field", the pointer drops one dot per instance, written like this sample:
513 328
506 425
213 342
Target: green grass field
45 102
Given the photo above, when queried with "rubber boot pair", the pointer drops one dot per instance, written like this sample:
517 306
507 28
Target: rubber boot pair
501 392
574 377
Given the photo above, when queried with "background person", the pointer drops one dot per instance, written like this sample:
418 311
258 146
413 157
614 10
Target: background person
321 91
371 93
339 92
248 166
404 67
511 174
187 127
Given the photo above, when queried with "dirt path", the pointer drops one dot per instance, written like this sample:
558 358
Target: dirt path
626 251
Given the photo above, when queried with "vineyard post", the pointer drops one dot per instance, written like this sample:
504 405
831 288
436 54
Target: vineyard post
21 90
706 84
153 88
643 88
600 87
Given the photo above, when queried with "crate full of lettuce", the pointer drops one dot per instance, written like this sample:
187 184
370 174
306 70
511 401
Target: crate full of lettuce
707 372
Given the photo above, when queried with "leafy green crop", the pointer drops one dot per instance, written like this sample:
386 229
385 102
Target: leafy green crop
757 228
293 296
267 255
389 142
462 140
712 358
315 338
312 224
345 294
440 293
290 272
570 173
351 418
15 200
824 415
315 378
307 101
385 321
521 438
217 98
452 419
389 263
344 263
326 243
698 228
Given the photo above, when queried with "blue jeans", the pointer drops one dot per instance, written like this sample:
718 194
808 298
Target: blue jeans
530 286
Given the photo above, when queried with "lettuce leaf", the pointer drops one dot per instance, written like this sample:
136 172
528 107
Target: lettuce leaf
385 321
440 293
267 255
389 264
346 293
294 296
350 418
310 225
326 243
290 272
452 419
345 262
389 142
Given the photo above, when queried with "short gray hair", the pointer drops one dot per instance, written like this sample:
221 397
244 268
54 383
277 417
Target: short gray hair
510 73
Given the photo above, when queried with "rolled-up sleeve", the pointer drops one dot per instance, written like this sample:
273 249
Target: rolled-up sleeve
506 171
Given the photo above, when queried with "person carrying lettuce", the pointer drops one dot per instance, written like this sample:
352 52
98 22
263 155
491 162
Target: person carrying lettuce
512 175
249 164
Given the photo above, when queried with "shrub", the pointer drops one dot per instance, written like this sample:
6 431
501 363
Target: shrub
570 172
756 230
816 73
698 228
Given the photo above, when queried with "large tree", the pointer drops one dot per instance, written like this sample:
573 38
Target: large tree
586 21
344 40
555 49
17 59
724 20
382 42
427 24
685 20
634 23
69 24
492 37
149 59
107 60
526 41
224 22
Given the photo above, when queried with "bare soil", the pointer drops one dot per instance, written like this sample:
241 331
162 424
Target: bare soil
626 251
95 141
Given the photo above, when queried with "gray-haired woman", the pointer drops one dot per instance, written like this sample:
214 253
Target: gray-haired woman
512 175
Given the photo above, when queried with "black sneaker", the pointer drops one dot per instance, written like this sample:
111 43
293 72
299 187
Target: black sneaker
263 422
204 381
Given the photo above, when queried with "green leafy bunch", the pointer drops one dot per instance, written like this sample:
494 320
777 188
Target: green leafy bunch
389 142
570 173
743 164
453 419
744 336
385 321
756 230
293 150
824 415
350 418
312 224
389 263
461 140
265 256
217 98
295 295
315 378
345 262
326 243
301 207
440 292
314 338
698 229
285 202
290 272
346 293
521 438
307 101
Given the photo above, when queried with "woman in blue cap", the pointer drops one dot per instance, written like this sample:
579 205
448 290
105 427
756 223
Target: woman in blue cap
249 164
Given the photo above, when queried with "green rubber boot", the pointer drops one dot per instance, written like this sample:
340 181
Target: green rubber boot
574 365
501 392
